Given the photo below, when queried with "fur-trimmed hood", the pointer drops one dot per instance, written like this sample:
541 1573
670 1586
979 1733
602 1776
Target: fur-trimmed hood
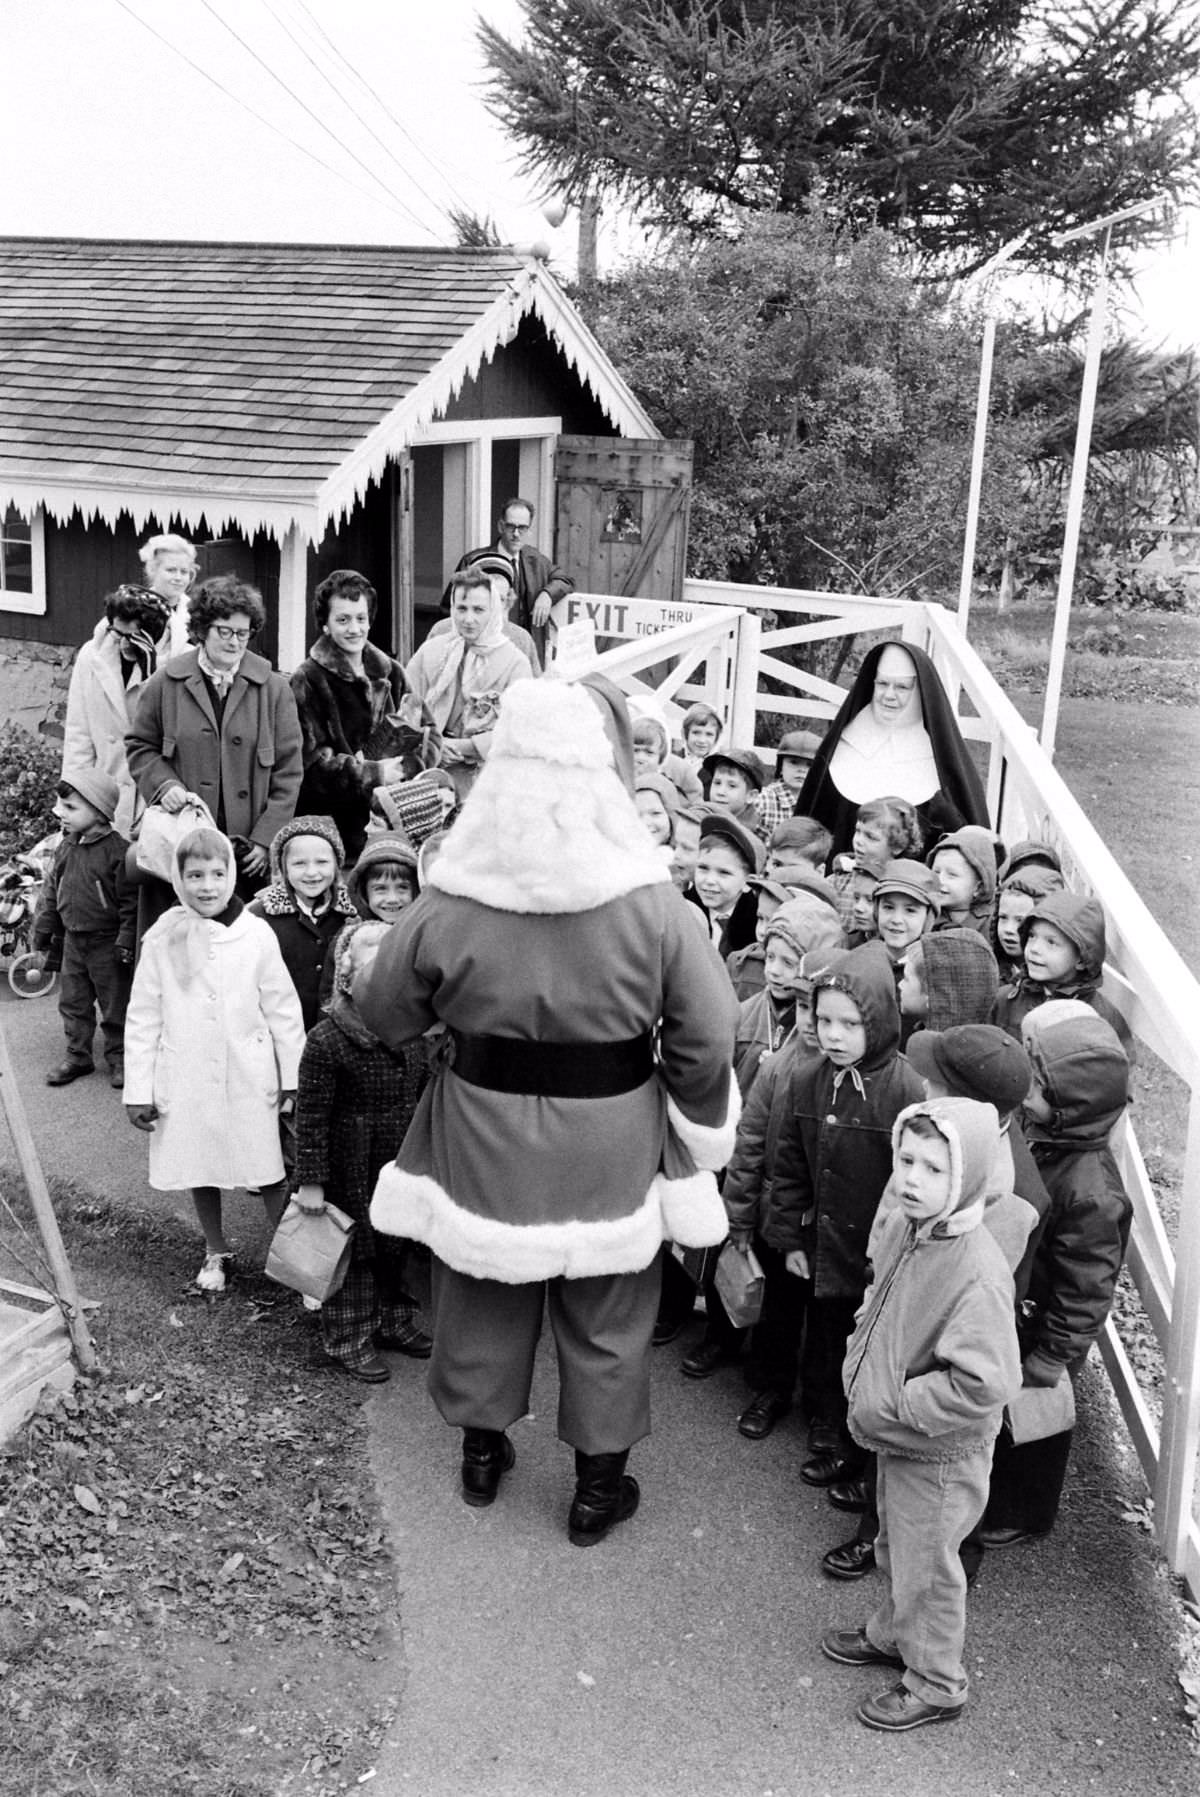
548 826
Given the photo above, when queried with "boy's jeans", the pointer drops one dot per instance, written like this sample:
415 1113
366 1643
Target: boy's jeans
91 977
926 1507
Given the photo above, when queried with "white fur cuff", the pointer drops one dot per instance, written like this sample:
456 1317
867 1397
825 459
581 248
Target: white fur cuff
692 1212
710 1146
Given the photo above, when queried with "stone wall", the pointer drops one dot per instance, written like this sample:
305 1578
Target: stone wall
33 685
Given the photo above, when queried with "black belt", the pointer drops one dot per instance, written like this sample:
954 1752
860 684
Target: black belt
552 1069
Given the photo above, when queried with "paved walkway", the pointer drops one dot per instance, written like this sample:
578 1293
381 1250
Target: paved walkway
679 1658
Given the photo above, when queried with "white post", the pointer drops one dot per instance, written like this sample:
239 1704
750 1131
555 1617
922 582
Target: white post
1180 1431
743 697
981 421
293 600
1079 468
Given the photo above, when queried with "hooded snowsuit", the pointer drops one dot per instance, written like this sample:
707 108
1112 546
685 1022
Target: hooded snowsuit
1081 921
1084 1073
807 926
833 1160
932 1361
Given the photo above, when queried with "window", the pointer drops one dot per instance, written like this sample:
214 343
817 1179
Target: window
23 561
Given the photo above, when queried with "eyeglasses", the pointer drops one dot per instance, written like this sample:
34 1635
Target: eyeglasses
229 635
510 524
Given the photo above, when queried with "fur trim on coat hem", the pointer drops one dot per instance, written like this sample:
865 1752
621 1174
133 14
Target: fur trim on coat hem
710 1145
415 1206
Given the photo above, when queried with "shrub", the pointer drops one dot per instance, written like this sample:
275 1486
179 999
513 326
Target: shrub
29 771
1120 580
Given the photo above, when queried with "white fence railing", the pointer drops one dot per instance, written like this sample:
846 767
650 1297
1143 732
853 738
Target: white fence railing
719 657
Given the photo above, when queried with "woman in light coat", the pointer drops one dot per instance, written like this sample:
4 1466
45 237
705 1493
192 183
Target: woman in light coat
461 676
213 1038
106 683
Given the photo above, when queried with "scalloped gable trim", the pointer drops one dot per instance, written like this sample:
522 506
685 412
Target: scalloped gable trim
534 291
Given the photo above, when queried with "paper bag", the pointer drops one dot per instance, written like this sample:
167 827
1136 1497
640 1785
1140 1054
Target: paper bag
1039 1411
739 1283
310 1253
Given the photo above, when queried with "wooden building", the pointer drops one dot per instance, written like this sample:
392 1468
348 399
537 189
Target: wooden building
291 408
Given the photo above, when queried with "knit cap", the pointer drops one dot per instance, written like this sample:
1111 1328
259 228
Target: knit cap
388 850
961 978
914 880
95 787
974 1060
312 825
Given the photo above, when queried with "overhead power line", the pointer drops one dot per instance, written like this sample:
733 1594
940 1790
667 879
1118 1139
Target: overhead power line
315 117
391 203
327 78
439 169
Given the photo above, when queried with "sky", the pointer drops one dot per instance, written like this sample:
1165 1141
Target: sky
110 132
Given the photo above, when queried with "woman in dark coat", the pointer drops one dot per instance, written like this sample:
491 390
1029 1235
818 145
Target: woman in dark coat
896 733
345 691
219 724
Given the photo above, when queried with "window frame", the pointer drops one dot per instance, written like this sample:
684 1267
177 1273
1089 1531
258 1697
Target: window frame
31 604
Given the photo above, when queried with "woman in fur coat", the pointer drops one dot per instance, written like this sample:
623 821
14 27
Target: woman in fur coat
346 690
587 1078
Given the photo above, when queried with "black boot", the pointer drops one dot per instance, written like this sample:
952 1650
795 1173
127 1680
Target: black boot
604 1494
487 1454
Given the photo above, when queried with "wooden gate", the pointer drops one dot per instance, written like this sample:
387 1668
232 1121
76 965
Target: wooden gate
622 514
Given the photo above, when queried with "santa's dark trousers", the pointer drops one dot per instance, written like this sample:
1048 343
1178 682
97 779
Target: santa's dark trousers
485 1337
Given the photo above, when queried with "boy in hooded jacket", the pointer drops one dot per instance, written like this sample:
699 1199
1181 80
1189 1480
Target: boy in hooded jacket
1063 943
931 1364
833 1161
1080 1090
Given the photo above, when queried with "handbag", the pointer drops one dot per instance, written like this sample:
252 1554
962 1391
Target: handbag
739 1284
310 1251
160 834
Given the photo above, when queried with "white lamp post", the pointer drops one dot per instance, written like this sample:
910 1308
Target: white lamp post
1079 463
981 275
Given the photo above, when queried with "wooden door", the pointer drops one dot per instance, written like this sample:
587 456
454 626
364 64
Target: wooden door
622 514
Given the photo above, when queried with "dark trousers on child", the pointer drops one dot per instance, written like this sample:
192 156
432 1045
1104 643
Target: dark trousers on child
830 1326
92 979
776 1337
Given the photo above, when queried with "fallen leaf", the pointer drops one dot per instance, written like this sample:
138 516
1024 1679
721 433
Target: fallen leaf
87 1500
585 1678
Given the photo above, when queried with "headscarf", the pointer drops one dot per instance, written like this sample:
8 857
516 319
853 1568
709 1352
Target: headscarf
467 666
187 933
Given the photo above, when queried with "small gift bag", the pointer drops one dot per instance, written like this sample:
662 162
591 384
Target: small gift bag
311 1252
1040 1411
739 1283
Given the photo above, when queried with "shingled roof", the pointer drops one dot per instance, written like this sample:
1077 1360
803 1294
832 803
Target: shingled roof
258 384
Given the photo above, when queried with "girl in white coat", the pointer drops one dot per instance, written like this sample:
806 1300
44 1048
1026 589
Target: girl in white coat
213 1040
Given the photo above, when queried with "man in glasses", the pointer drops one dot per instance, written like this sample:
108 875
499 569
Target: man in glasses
537 583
